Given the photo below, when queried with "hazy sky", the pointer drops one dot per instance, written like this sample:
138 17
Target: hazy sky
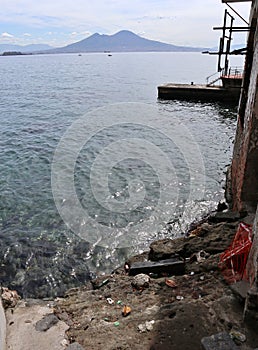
60 22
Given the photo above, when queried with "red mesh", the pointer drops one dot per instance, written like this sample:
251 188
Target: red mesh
233 260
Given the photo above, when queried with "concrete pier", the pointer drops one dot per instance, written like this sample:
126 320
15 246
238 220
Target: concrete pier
194 92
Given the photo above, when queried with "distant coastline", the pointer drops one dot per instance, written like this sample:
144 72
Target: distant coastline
123 41
14 53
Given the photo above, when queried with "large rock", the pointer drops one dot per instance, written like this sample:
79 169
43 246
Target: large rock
227 216
167 248
141 281
46 322
213 241
220 341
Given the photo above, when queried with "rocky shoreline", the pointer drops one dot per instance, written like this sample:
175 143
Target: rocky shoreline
166 311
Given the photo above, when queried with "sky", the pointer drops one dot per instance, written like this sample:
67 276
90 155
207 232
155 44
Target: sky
61 22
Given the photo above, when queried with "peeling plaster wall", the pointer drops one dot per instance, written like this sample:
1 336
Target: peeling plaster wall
2 327
251 303
244 167
242 184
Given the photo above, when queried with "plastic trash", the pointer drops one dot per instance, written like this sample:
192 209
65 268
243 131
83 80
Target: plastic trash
103 283
233 260
110 301
127 267
171 283
126 310
149 325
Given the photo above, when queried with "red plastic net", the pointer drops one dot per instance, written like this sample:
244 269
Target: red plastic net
233 260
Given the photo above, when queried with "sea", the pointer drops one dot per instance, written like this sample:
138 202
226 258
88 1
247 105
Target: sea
94 167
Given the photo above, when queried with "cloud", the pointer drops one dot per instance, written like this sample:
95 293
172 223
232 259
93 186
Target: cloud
86 33
26 34
6 35
172 21
140 33
76 34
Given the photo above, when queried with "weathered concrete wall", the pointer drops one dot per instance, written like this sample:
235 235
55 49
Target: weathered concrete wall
244 167
242 182
251 305
2 327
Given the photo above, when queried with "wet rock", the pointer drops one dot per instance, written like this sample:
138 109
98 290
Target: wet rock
141 281
220 341
47 322
74 346
222 206
167 248
213 242
200 231
228 216
25 264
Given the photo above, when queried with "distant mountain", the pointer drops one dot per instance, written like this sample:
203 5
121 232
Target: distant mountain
233 47
123 41
27 48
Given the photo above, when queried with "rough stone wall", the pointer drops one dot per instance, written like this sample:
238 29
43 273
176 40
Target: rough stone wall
242 181
2 327
251 304
244 167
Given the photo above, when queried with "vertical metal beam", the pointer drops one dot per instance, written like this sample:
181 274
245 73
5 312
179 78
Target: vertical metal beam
222 40
228 45
236 13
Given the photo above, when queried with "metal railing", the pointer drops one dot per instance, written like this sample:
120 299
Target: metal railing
233 72
212 79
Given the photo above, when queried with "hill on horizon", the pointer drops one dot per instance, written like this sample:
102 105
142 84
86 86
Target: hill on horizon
123 41
24 49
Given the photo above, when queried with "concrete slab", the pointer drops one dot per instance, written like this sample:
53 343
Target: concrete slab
21 331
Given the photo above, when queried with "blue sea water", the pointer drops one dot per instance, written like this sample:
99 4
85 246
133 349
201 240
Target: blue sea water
130 141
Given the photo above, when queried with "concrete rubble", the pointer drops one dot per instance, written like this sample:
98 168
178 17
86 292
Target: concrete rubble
30 326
